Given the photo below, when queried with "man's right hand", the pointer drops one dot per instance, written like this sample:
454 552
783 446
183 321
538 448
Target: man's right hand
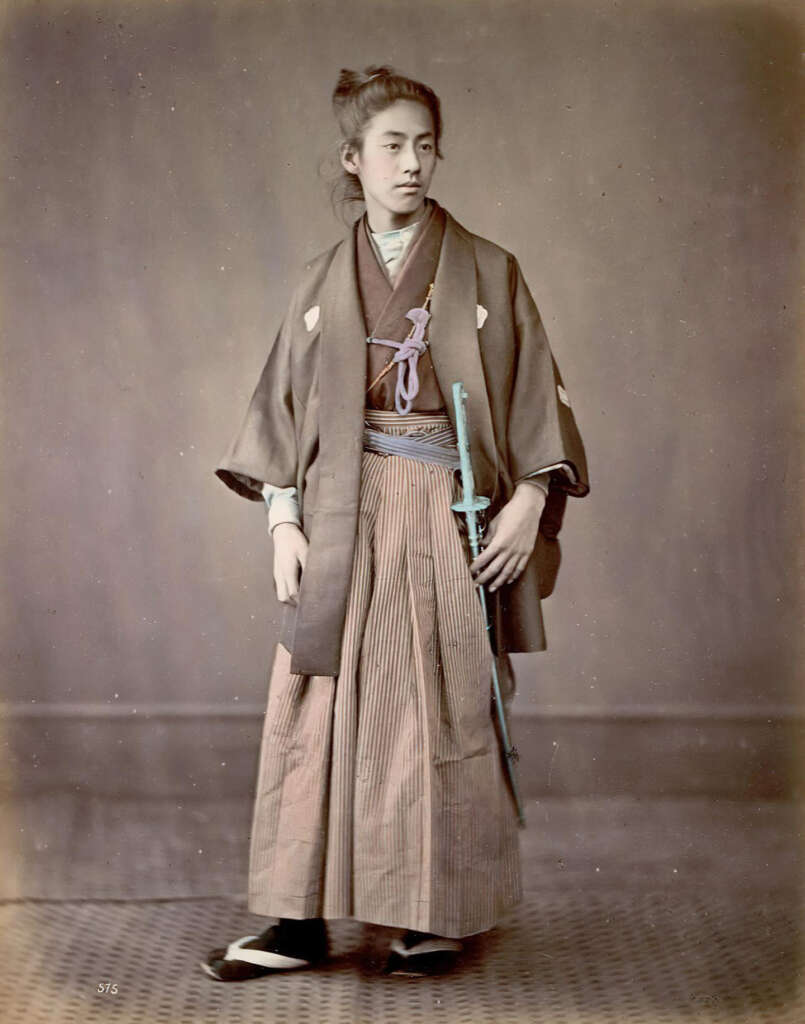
290 555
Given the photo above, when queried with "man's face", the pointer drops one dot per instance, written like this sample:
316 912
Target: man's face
395 164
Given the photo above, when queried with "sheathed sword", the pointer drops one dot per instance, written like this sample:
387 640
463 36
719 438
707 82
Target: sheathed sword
471 505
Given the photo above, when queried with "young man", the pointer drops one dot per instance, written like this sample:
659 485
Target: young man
381 794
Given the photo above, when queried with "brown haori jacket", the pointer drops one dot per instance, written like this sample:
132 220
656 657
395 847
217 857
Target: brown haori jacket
304 425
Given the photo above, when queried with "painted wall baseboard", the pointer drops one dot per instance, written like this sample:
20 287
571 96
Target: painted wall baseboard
166 750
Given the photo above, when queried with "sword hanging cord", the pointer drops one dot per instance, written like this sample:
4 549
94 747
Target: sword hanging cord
394 360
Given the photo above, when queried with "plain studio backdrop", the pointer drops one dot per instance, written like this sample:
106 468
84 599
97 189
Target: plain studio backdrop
164 180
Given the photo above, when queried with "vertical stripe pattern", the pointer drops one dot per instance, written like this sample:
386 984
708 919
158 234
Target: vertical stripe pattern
381 794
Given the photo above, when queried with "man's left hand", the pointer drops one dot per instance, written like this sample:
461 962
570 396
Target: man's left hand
510 538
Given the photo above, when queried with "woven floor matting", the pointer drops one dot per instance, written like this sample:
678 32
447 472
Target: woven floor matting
565 957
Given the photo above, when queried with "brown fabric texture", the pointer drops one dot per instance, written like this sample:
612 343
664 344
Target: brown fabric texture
381 794
304 424
385 307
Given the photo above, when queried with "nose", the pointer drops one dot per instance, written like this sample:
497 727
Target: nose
410 162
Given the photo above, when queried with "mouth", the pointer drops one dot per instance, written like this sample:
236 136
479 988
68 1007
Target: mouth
409 187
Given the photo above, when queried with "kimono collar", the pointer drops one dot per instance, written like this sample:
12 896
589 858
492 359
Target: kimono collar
385 306
391 246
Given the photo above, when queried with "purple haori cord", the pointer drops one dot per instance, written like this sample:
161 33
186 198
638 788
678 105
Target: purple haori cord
407 356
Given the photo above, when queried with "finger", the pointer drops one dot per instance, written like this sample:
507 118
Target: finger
292 585
492 570
295 582
303 556
286 590
485 557
522 562
290 592
505 574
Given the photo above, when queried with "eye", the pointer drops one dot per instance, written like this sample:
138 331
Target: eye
426 146
392 145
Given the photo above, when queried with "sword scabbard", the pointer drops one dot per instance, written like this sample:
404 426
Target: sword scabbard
472 507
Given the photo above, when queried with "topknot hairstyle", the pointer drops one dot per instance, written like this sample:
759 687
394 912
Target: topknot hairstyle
359 96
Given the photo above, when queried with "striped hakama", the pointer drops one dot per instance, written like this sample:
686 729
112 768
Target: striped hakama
381 794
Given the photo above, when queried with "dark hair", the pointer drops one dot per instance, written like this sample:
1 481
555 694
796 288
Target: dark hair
358 96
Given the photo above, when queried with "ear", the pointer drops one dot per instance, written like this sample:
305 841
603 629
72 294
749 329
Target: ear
348 157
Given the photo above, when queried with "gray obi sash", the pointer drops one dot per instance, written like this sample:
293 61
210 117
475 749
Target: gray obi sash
436 446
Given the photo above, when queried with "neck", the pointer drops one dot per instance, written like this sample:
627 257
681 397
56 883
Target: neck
381 219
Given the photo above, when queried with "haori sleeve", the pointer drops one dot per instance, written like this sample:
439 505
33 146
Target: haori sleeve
541 480
542 434
264 450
